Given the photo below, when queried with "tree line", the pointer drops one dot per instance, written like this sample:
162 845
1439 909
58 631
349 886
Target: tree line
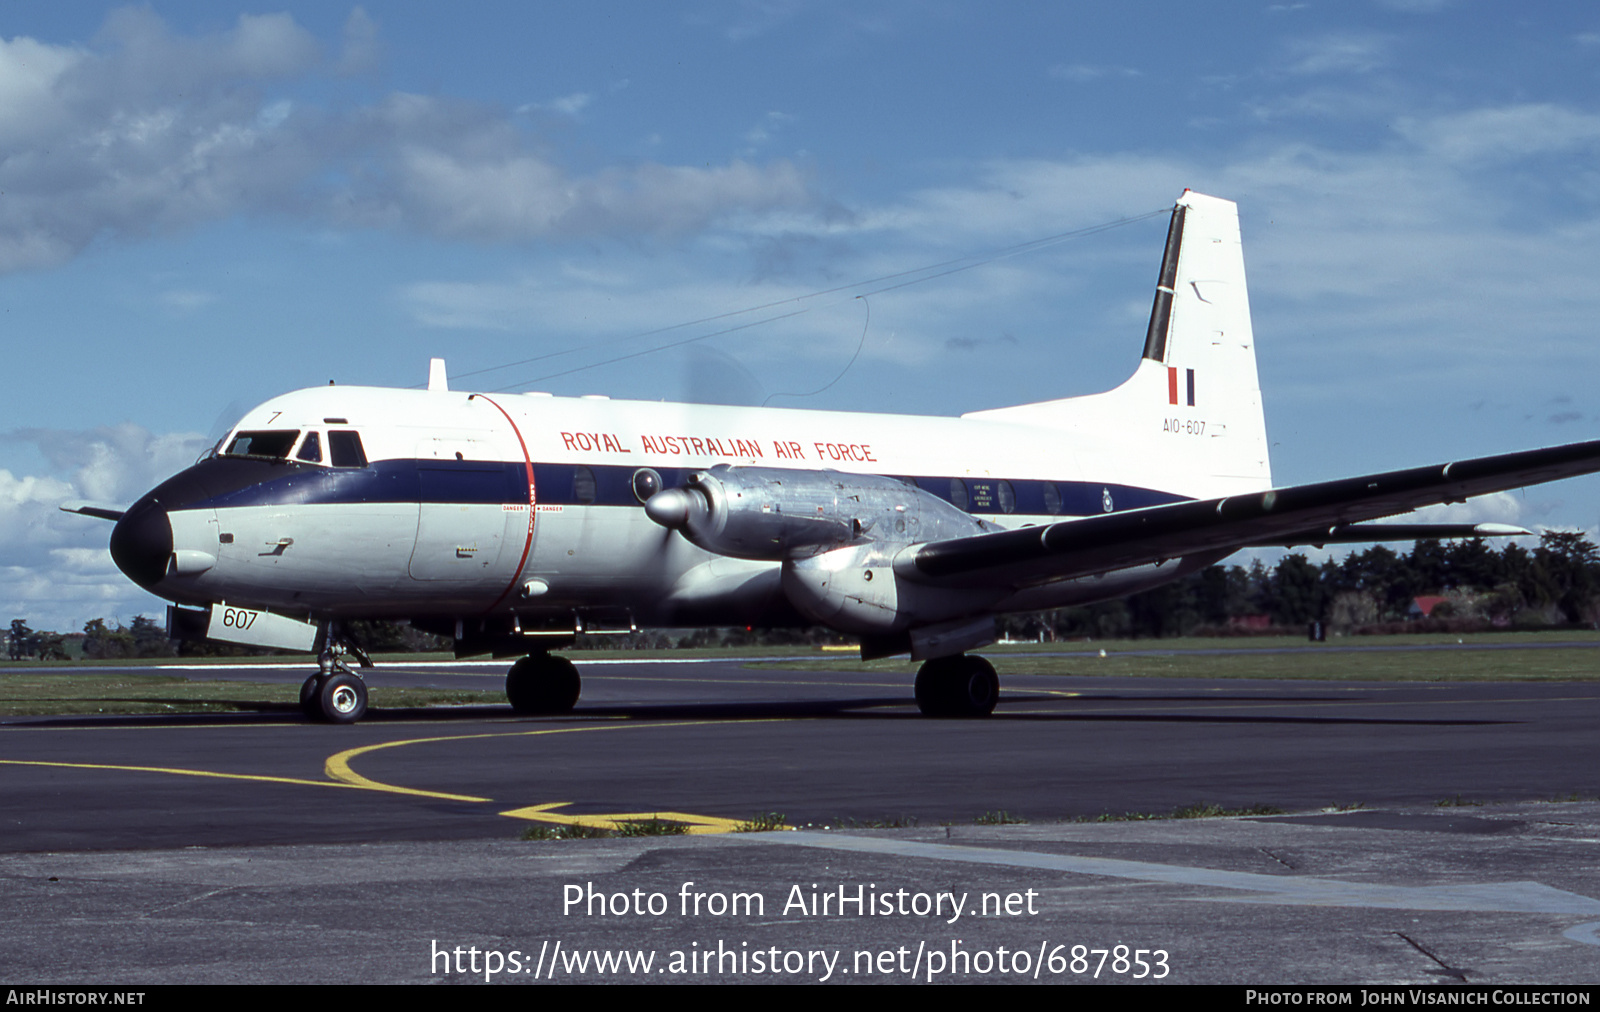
1554 584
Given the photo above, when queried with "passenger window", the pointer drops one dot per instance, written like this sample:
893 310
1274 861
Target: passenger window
1007 496
1052 499
958 493
311 449
583 487
275 445
344 449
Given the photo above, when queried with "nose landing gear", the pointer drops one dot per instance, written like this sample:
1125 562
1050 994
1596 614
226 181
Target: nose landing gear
335 693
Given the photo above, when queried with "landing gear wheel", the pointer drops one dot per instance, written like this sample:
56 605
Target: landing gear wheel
341 699
308 697
959 686
542 684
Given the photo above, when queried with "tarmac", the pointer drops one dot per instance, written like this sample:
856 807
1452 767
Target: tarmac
1505 894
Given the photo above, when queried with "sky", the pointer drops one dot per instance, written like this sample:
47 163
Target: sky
203 205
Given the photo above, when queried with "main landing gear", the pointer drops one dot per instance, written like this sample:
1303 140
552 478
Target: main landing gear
542 684
959 686
335 693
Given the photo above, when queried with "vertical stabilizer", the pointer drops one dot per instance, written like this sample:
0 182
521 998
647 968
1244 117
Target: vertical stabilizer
1190 418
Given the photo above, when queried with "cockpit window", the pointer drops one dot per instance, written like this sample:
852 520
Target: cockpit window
311 449
274 445
344 449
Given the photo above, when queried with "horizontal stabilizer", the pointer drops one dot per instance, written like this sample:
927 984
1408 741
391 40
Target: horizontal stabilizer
1355 534
93 509
1100 544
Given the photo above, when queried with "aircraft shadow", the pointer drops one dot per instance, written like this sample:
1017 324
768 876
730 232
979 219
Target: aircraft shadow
877 708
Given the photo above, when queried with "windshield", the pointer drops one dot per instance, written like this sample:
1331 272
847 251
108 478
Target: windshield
275 444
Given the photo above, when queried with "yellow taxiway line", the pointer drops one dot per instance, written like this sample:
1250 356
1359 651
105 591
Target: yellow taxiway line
340 775
183 773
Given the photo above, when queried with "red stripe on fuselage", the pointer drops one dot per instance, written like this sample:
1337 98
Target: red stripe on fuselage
527 545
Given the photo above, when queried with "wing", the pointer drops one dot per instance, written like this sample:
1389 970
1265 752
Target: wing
1300 514
91 509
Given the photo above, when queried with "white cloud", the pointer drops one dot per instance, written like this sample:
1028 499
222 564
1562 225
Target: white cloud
570 105
754 18
29 71
1403 257
363 51
113 463
764 130
1415 6
1504 133
1343 53
508 196
55 570
186 301
1496 508
1084 72
147 131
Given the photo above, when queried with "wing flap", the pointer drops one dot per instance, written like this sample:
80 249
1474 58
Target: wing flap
1354 534
1136 537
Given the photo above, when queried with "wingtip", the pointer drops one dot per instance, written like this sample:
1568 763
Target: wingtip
1501 530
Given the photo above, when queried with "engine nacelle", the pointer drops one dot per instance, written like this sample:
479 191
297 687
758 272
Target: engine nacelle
773 514
856 589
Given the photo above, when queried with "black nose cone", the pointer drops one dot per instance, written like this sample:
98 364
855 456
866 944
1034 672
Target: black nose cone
141 543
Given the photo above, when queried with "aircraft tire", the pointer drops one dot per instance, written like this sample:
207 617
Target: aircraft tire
960 686
540 684
309 704
342 699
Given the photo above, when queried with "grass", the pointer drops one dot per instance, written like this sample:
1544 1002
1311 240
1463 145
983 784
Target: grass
890 822
1197 811
1000 818
40 693
765 822
1285 658
1457 802
652 827
285 658
380 659
575 831
32 688
544 831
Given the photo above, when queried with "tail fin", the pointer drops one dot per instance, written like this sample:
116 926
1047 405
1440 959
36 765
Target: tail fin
1189 419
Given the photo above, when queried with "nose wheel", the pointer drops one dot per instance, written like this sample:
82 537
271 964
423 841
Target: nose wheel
543 684
339 698
960 686
336 694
